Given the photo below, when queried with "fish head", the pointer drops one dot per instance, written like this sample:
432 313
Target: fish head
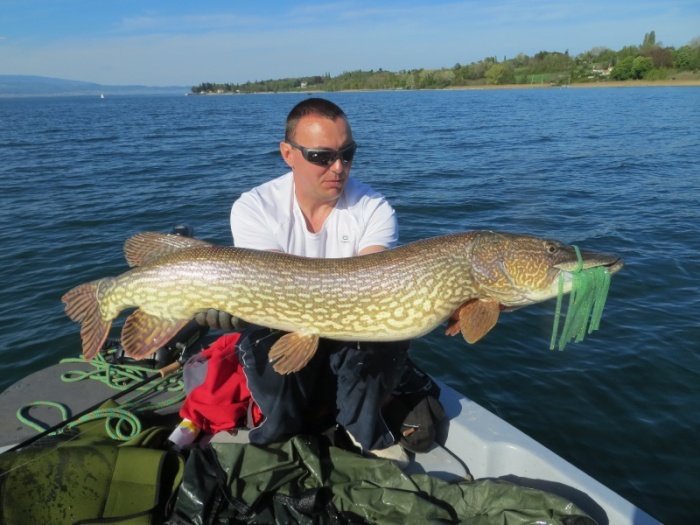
519 270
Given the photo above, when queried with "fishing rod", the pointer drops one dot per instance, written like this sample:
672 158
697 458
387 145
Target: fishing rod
161 373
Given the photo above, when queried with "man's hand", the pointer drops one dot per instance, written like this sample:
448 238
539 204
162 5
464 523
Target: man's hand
220 320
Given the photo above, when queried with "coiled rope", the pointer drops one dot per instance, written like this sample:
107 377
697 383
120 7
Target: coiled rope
121 422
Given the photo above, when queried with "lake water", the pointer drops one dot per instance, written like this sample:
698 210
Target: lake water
614 170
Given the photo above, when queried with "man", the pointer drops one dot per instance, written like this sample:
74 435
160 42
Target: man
318 210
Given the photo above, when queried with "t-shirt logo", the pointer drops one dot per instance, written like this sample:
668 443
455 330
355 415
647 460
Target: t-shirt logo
345 238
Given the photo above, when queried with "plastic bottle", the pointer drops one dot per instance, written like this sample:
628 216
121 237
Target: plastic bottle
184 434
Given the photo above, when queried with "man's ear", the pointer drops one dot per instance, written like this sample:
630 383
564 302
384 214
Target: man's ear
286 151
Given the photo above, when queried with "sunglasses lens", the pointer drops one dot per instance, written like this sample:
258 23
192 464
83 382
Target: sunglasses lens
322 158
348 153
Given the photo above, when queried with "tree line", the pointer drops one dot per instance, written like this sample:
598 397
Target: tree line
649 61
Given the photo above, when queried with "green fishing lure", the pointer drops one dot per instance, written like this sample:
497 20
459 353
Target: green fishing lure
589 291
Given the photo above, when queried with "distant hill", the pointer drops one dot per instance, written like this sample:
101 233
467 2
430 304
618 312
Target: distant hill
34 86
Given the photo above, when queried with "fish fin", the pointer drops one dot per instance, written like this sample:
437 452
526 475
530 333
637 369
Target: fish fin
453 327
148 246
477 318
144 333
82 307
292 352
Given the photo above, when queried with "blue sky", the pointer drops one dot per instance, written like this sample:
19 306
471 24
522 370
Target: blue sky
174 42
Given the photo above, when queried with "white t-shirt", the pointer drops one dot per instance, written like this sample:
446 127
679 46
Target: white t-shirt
268 217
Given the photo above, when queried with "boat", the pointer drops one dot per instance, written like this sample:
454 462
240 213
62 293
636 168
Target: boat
470 442
493 448
471 439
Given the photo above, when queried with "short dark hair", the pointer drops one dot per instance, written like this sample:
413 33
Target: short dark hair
311 106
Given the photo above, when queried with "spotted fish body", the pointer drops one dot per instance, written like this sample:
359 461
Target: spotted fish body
403 293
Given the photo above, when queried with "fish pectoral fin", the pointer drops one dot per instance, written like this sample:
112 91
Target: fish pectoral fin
453 327
292 352
144 333
477 318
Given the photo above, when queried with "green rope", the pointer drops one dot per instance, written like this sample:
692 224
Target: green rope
589 291
121 423
35 424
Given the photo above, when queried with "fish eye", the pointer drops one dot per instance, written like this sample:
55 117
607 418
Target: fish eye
551 248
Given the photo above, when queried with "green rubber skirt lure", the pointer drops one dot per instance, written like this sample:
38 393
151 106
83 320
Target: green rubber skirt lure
589 291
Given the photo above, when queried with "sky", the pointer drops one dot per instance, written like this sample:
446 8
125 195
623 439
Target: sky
185 43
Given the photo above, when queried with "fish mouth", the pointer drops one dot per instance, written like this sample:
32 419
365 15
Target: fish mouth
615 267
611 262
567 270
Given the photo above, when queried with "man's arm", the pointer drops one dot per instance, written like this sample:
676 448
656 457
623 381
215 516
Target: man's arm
372 249
248 225
382 228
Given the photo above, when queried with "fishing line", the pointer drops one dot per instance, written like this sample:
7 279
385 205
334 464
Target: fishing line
270 334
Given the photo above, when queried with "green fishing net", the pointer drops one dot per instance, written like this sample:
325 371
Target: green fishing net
589 290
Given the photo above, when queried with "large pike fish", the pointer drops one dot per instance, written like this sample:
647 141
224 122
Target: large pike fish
466 279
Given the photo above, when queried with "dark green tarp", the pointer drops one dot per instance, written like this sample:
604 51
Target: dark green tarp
305 481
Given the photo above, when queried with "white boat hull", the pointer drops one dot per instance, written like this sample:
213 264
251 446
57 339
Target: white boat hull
492 448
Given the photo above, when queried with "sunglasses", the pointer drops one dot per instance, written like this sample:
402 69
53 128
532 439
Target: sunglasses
326 157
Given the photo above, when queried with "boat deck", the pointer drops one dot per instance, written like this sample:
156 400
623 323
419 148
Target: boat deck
471 440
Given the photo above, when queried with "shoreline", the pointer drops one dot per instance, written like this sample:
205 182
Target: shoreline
581 85
587 85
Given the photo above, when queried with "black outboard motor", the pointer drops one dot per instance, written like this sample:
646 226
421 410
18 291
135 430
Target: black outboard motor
183 230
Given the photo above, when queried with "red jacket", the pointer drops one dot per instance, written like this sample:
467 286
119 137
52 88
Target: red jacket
222 401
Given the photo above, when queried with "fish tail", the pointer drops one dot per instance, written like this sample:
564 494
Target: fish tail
83 307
